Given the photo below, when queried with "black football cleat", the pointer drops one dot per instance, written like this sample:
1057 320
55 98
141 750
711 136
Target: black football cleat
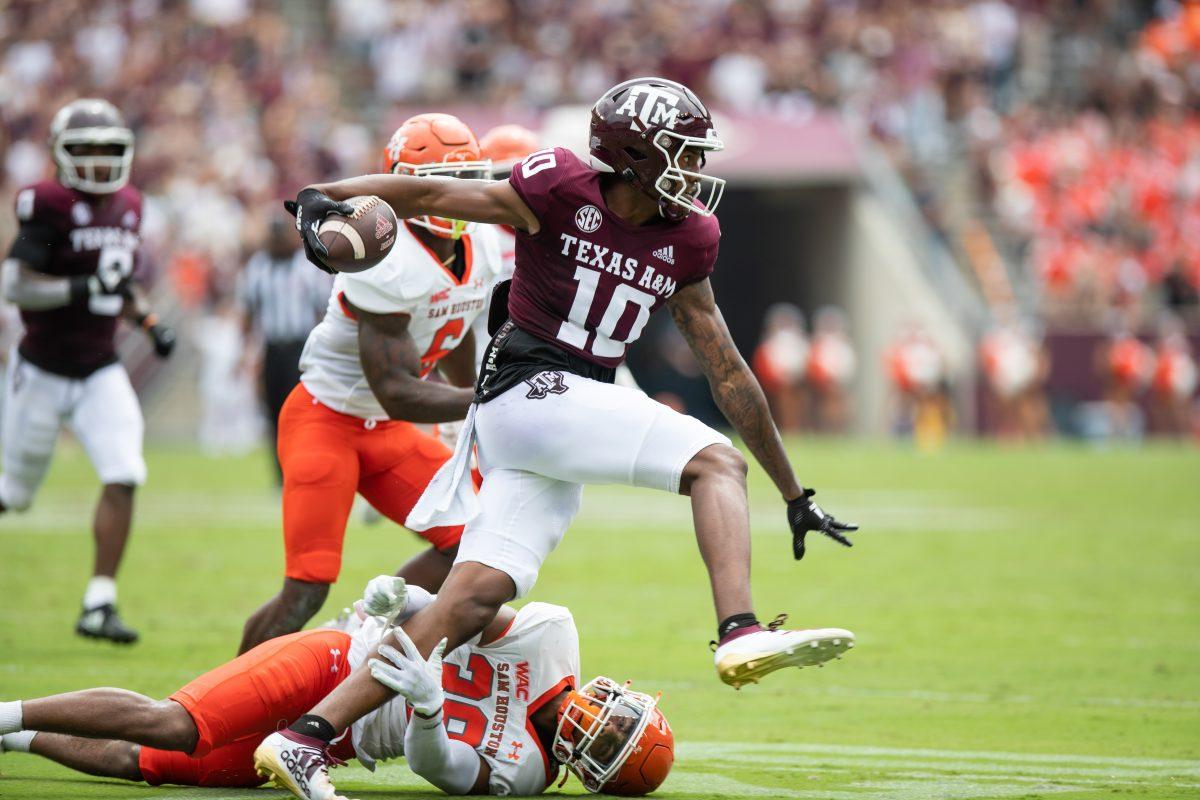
103 622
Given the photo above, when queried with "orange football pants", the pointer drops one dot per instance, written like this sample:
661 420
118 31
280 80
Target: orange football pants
236 705
327 457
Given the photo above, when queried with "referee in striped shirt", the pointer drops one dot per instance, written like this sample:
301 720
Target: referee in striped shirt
282 299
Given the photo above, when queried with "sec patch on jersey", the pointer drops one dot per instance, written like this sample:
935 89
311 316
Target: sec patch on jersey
361 240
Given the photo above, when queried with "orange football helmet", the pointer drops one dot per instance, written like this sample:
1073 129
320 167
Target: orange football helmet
613 739
505 145
436 144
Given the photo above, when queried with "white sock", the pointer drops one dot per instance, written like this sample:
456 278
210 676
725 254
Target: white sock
11 717
101 590
18 742
418 598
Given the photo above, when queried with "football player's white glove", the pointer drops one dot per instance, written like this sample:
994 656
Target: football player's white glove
417 680
385 596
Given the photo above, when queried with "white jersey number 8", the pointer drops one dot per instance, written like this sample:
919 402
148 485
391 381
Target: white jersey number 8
115 264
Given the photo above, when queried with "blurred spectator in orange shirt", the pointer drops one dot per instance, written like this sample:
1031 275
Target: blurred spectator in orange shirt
1125 365
831 366
1173 385
918 374
780 362
1015 368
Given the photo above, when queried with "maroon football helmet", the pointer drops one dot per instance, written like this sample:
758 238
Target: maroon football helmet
639 130
92 146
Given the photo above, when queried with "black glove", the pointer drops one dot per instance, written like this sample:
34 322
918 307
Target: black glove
163 338
310 208
804 515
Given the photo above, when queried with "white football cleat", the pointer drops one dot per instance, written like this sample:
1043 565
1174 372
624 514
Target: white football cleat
299 764
748 658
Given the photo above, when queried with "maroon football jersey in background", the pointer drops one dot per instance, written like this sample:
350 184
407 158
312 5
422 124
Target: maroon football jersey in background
64 232
588 281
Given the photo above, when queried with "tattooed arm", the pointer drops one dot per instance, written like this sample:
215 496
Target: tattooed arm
392 367
733 385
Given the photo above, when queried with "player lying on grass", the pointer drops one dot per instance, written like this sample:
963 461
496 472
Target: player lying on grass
499 716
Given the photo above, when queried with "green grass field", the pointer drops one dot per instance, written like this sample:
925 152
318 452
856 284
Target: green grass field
1028 621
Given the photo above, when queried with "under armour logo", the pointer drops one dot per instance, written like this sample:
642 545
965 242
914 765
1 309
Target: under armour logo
334 668
545 383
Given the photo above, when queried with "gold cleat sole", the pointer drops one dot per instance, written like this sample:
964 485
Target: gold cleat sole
267 765
739 670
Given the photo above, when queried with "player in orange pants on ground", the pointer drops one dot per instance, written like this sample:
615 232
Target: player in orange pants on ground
499 717
348 426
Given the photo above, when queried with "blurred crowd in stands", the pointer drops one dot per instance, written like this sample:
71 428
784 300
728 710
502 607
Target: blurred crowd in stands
232 108
1054 146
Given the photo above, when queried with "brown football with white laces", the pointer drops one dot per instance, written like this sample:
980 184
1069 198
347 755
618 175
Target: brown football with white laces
361 240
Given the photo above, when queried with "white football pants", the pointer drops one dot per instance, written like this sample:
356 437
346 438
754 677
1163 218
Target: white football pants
543 439
101 410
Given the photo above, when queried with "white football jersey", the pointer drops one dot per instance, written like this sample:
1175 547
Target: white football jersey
410 280
508 262
491 693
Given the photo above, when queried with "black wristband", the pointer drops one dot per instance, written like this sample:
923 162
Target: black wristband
80 291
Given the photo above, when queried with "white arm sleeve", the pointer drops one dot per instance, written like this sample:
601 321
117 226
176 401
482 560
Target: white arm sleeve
31 291
448 764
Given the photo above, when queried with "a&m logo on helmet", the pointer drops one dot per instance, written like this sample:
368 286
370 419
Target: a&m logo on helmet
650 106
587 218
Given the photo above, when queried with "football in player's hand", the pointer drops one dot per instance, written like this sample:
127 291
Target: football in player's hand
361 240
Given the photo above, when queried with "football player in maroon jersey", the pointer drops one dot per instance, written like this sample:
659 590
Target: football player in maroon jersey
71 273
600 246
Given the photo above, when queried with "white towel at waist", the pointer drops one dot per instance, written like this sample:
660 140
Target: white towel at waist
450 499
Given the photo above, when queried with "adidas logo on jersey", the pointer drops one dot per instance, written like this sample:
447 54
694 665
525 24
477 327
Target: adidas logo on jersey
666 254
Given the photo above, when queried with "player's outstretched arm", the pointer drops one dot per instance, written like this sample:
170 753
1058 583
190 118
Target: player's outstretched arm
392 366
743 403
733 385
472 200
